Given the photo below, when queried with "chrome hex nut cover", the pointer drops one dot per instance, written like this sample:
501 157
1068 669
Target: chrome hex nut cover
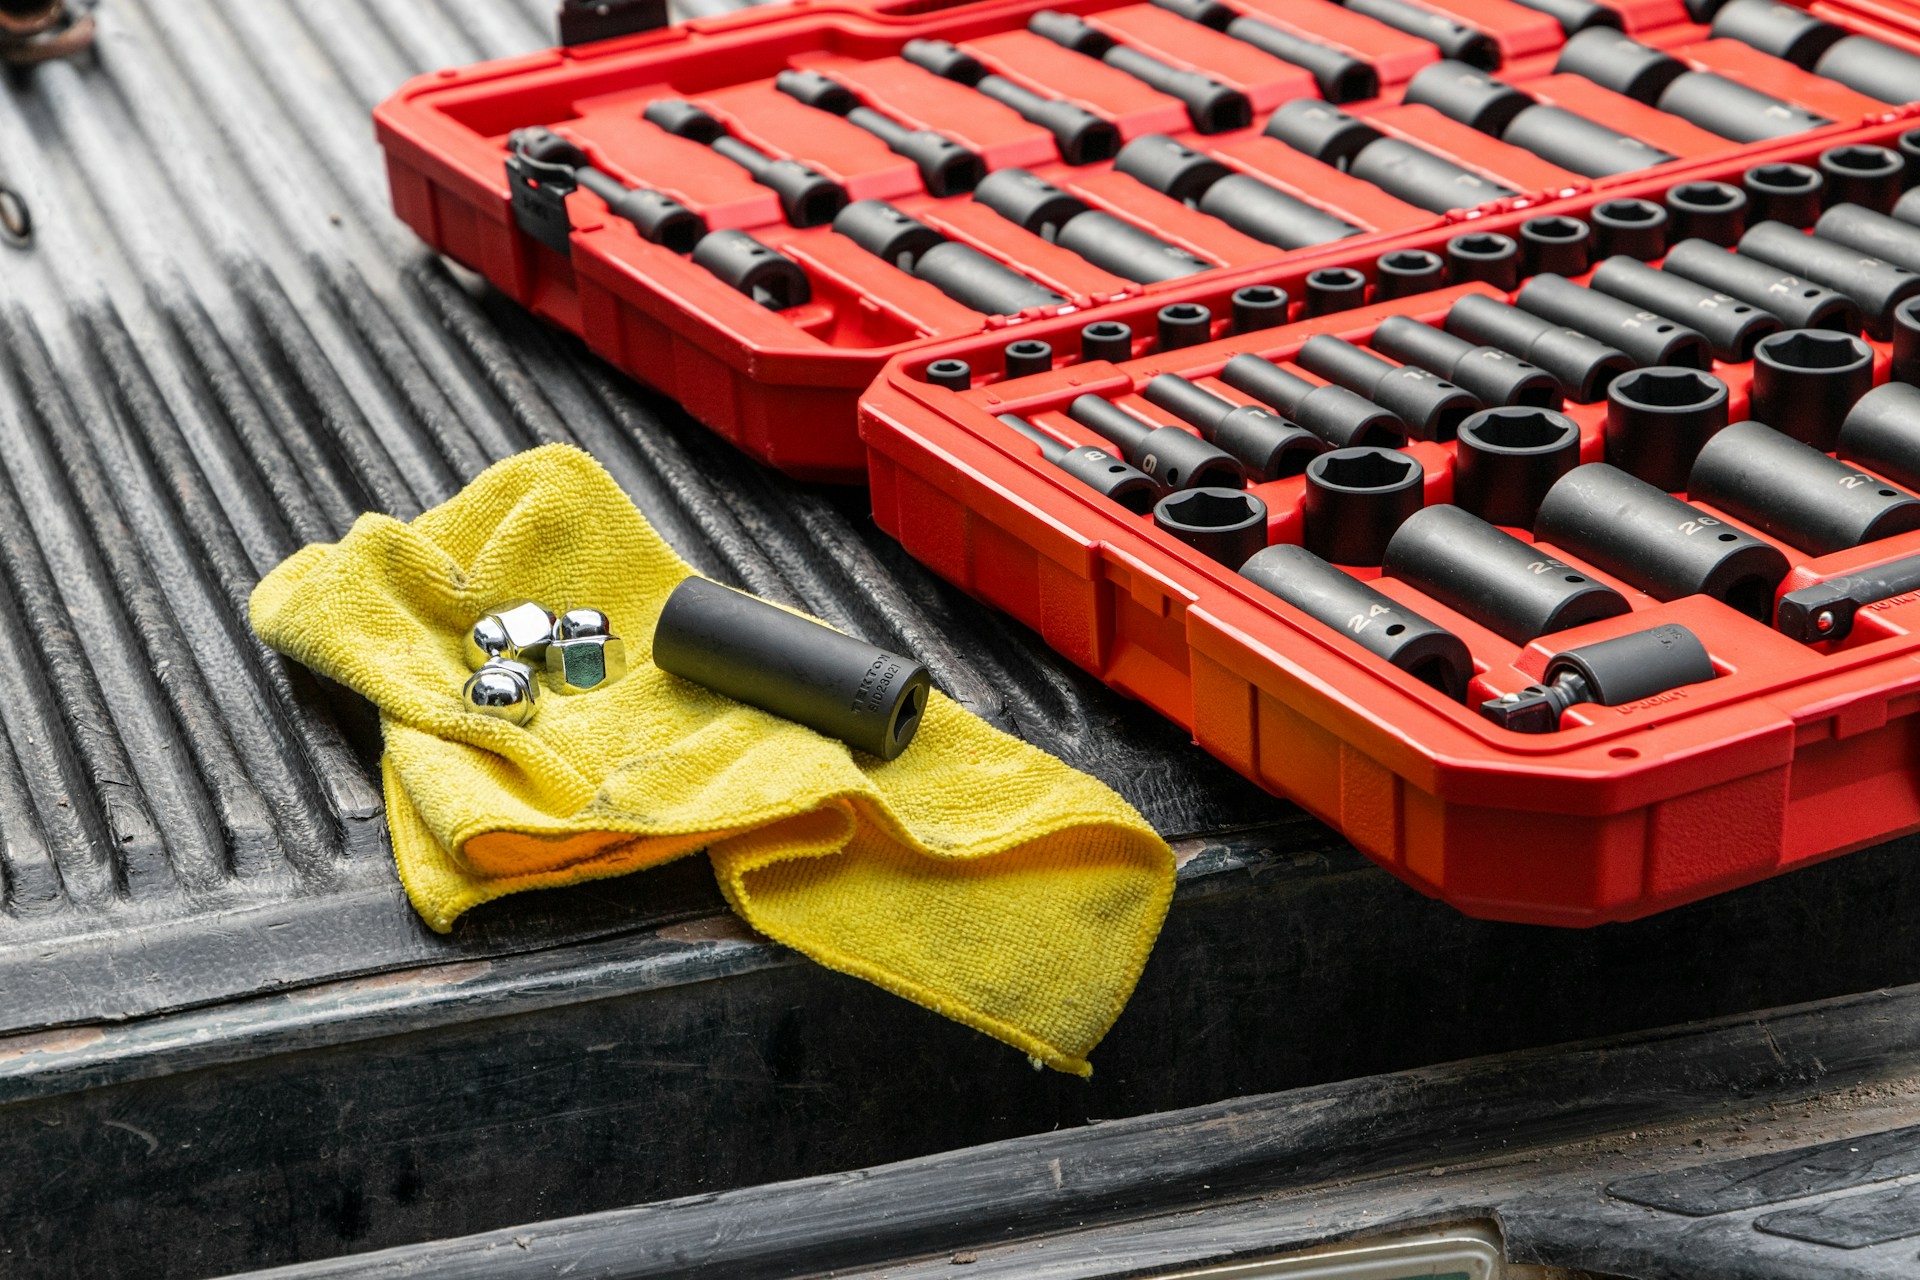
503 689
581 624
585 663
518 631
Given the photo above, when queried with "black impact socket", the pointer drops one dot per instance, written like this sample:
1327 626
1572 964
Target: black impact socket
1029 202
1508 458
1432 407
658 218
1484 573
1467 95
1711 211
946 167
1795 493
1857 227
1658 420
1555 243
1080 136
1575 16
1377 623
1455 40
1730 326
1106 340
1424 179
1099 470
1630 228
1906 341
954 375
972 279
1872 67
1267 445
1181 324
1332 289
771 279
1612 61
1789 193
1647 338
1176 459
1805 380
1403 273
1583 366
1882 431
1169 166
1212 107
807 198
1782 30
1340 77
1028 356
1908 145
791 666
1228 525
1486 256
1322 131
1354 501
1335 414
1488 374
1255 209
1258 306
1868 176
1641 664
1124 249
1797 302
1714 103
1650 540
1498 109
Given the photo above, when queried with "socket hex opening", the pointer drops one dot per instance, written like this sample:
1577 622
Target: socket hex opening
1210 508
1668 388
1363 469
1812 349
1520 429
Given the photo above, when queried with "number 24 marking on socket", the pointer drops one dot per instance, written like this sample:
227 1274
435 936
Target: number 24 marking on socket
1361 621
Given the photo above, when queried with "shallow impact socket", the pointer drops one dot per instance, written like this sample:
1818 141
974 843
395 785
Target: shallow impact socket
1730 325
1713 102
791 666
1797 302
1027 356
1876 286
1212 107
1377 623
1508 458
1225 524
1484 256
1181 324
1099 470
1266 444
1633 228
1258 306
1430 406
1562 137
1555 243
1335 414
1869 176
1712 211
1582 365
954 375
1402 273
1659 419
1646 337
1505 584
1340 77
1789 193
1176 459
771 279
1488 374
1796 493
1080 136
1805 381
1611 673
1354 501
1651 540
1882 431
1106 340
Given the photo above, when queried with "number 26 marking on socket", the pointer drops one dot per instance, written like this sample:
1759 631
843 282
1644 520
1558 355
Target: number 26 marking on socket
1691 527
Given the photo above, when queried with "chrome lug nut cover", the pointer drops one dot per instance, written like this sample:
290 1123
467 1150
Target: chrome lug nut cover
518 632
504 689
586 663
581 624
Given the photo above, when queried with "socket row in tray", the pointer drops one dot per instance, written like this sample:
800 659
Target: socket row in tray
1677 403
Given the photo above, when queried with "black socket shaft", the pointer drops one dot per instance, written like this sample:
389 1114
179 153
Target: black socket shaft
1713 102
1399 168
771 279
1432 407
1212 107
1102 239
1341 77
1641 535
1266 444
1508 458
1175 459
1572 141
1658 420
1882 431
1730 326
561 165
1099 470
1455 40
1647 337
1796 493
807 198
1805 381
1335 414
1507 585
946 167
1355 499
960 271
1870 66
1797 302
1582 365
1576 15
1268 214
1858 227
1377 623
1227 525
1081 136
1875 286
1488 374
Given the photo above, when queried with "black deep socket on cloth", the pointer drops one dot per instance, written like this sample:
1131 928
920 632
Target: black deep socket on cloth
1455 40
1631 228
1332 289
1857 227
1484 573
1106 340
1175 459
1711 211
1244 203
946 167
1872 177
1789 193
1028 356
1485 256
1333 413
1102 239
771 279
1805 381
1080 136
1870 66
1227 525
1099 470
1876 286
1258 306
1646 337
1906 341
658 218
1882 431
1432 407
1825 610
1796 493
954 375
807 198
1557 244
1582 365
1212 107
1355 499
1733 110
960 271
1649 539
1399 168
792 666
1488 374
1496 108
1267 445
1340 77
1611 673
1377 623
1508 458
1181 324
1797 302
1403 273
1730 326
1658 420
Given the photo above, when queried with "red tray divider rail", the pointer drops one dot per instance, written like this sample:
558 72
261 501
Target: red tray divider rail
783 385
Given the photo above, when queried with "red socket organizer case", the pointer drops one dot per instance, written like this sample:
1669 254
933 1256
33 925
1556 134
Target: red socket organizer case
783 385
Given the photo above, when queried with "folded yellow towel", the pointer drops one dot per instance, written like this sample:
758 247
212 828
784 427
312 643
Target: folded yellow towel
974 875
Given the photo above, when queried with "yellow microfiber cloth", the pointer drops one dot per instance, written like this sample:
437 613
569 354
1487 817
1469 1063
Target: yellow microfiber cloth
974 874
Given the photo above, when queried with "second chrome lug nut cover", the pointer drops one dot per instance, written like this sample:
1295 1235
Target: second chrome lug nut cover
504 689
518 632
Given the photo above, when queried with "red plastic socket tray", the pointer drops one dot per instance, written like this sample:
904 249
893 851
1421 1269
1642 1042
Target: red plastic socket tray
783 385
1793 754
